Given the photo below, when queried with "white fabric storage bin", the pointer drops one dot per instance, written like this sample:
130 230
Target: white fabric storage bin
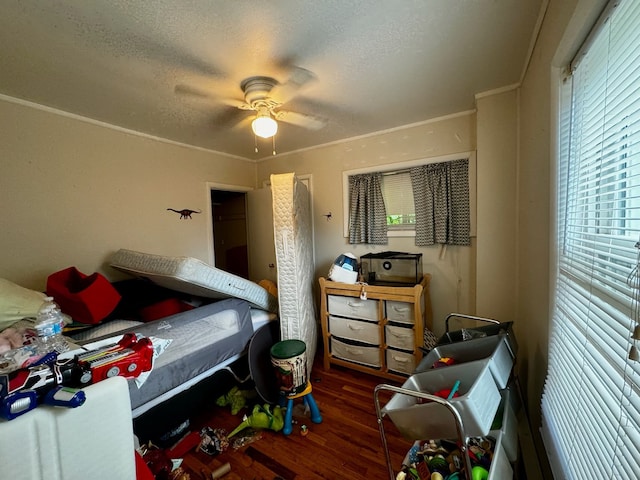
399 337
366 332
477 402
353 307
399 312
402 362
355 353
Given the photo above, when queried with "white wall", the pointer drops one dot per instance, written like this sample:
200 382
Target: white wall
496 253
73 192
453 281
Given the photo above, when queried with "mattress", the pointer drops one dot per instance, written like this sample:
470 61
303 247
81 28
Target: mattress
192 276
294 256
201 340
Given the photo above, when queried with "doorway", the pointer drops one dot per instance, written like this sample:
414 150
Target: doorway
229 220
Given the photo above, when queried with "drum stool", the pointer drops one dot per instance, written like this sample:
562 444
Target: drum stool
309 402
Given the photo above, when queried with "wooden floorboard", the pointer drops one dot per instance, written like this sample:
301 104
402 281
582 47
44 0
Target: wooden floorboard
346 445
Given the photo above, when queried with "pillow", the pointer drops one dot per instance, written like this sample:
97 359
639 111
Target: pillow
17 302
86 298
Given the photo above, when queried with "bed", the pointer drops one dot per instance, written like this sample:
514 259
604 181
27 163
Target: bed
193 345
199 342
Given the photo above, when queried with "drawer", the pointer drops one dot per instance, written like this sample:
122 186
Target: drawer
399 312
355 353
399 337
353 307
401 362
362 331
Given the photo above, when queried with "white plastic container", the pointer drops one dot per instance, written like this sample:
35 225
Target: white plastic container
493 348
476 404
500 467
509 427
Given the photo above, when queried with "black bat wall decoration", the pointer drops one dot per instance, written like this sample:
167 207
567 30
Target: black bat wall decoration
185 213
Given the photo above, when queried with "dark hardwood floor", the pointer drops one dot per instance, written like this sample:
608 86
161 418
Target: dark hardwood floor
346 445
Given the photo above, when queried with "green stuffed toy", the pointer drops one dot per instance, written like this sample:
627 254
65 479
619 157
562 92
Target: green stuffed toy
236 398
262 417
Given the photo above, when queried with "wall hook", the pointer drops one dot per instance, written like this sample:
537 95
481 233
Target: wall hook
328 215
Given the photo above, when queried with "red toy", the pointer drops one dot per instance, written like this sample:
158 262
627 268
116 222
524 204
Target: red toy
128 358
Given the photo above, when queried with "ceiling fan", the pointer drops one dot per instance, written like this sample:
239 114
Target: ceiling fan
265 96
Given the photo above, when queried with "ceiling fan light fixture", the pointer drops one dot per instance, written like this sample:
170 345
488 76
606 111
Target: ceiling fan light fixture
264 125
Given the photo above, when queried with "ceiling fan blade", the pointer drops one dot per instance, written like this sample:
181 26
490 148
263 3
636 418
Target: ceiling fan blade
193 91
284 92
245 123
301 120
196 92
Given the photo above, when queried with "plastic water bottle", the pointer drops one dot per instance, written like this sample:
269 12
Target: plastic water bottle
49 325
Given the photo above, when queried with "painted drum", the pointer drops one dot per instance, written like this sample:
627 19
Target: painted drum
288 357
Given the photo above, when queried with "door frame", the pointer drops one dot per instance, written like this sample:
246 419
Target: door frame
228 188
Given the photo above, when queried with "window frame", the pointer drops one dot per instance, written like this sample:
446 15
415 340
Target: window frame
392 167
581 301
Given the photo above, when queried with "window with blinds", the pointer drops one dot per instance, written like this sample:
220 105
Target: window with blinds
398 200
591 399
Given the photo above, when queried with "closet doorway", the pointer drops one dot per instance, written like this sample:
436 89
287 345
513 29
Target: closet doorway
229 231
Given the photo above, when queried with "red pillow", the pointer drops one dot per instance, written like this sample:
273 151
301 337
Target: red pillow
86 298
164 308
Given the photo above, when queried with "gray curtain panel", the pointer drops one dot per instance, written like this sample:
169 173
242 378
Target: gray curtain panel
441 195
367 213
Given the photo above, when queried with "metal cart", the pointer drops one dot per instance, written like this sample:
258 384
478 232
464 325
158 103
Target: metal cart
462 436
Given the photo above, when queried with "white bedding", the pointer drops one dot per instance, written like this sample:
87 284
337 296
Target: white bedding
294 256
192 276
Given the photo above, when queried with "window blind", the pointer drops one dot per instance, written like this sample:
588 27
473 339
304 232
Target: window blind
591 399
398 200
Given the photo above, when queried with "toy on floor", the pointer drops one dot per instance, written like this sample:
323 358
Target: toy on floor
262 417
213 441
236 398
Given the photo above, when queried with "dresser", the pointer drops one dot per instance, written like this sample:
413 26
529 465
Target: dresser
375 329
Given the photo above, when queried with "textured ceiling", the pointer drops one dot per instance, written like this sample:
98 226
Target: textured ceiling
167 68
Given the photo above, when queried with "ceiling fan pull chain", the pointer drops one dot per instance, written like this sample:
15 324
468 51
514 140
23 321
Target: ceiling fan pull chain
273 139
255 142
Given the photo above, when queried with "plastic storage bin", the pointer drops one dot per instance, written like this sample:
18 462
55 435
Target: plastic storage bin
500 467
507 423
494 348
477 402
505 328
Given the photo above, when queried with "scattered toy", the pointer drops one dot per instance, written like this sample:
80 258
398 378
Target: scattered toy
262 417
213 441
236 398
